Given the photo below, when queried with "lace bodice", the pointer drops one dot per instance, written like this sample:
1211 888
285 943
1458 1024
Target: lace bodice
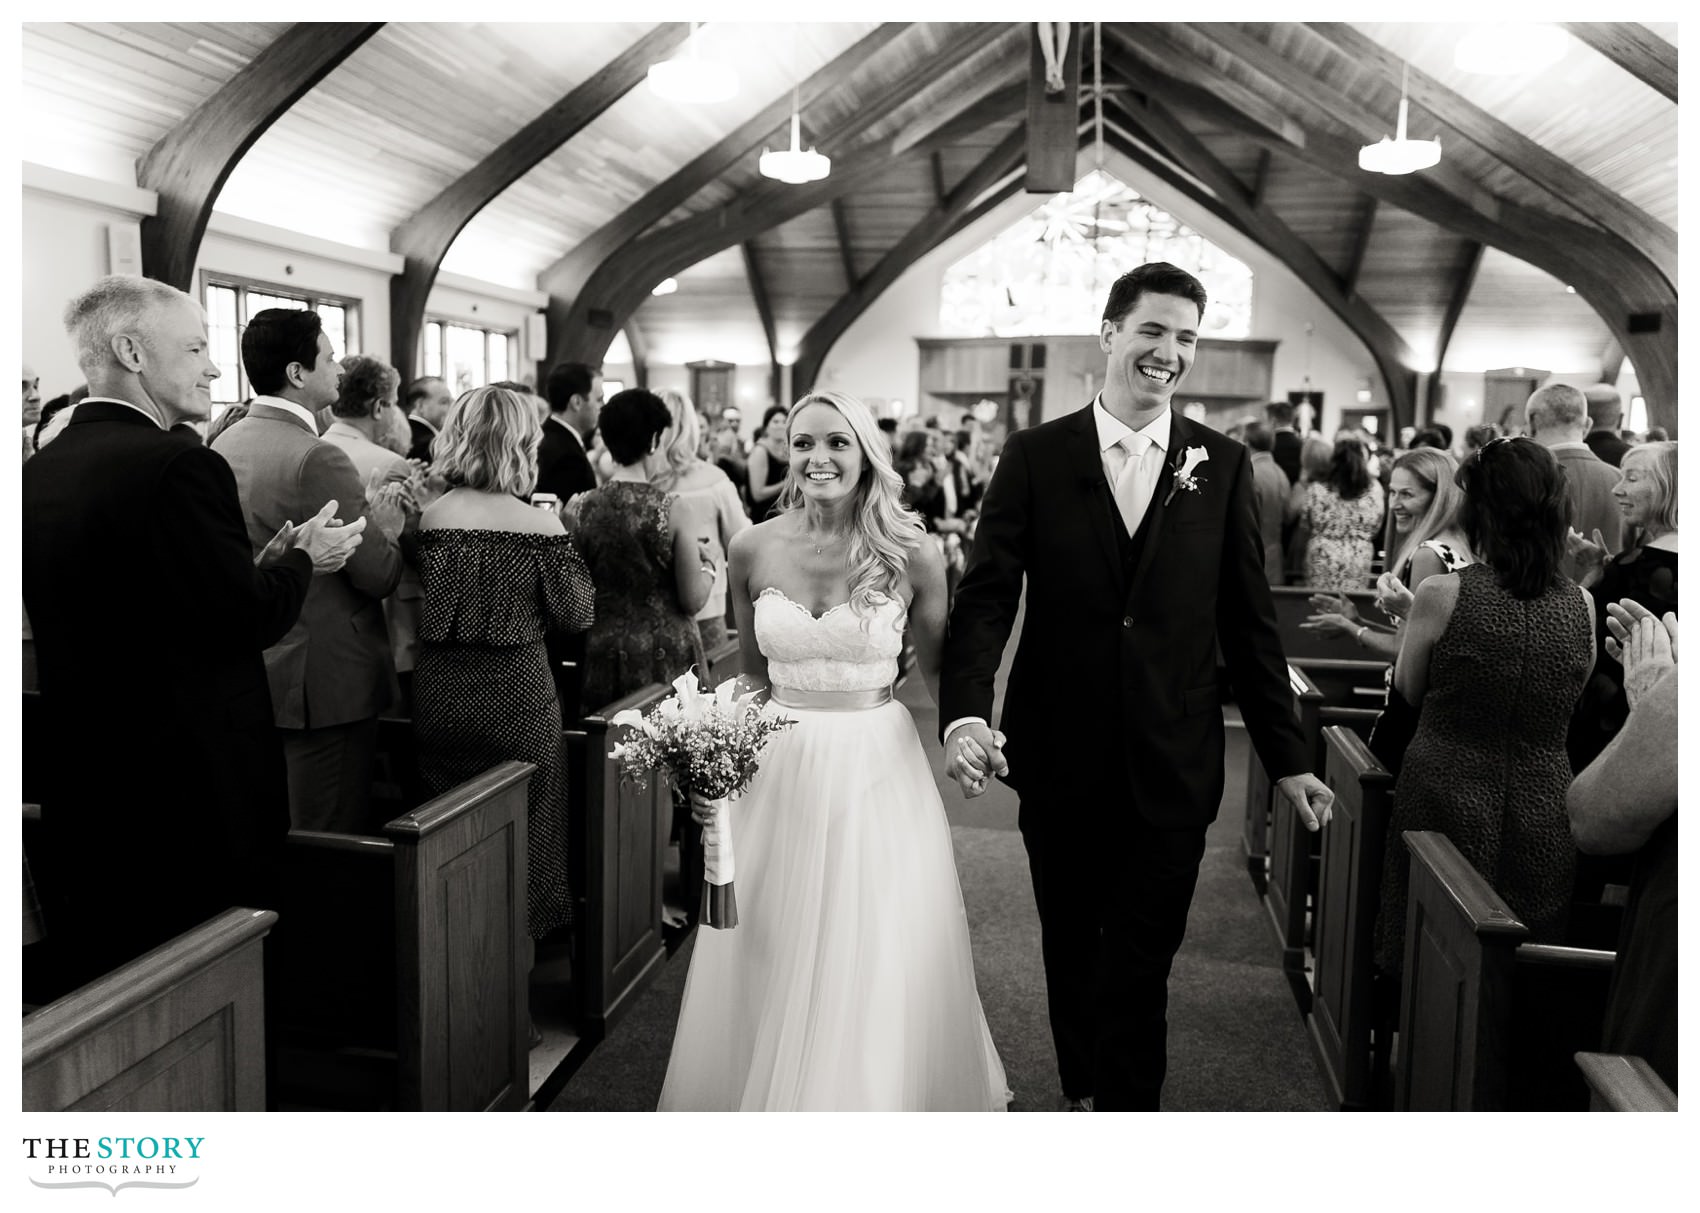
839 651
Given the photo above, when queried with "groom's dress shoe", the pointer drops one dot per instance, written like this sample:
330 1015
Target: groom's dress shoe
1076 1105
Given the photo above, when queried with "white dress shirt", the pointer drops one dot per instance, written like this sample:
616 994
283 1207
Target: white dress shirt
288 406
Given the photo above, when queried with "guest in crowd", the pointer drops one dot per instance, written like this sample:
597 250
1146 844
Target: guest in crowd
728 453
1342 514
1272 489
1478 436
1656 433
426 404
498 575
1605 414
1316 457
1432 436
227 417
1286 445
574 392
167 800
1645 571
967 478
1624 803
645 558
922 491
709 501
1557 418
333 673
1426 504
1494 658
770 463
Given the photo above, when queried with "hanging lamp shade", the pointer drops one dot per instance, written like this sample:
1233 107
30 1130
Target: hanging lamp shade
1399 155
691 79
793 165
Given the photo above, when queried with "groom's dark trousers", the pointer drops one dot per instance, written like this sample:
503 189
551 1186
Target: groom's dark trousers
1113 714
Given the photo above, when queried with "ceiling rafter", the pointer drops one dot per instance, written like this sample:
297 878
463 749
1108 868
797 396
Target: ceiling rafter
953 212
425 237
1554 174
621 282
1463 282
1634 48
1260 179
1360 246
189 166
841 224
1052 116
1614 278
569 273
764 308
1393 355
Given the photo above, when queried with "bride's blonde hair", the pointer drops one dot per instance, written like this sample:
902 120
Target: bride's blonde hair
884 531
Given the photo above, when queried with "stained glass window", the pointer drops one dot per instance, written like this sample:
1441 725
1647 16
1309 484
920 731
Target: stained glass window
1049 273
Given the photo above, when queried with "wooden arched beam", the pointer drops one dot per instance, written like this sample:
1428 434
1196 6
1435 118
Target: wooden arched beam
1615 279
424 238
640 353
189 166
1563 181
1463 283
764 311
1634 48
954 211
567 277
621 283
1393 355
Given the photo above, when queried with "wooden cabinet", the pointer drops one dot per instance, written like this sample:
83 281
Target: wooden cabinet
1243 370
951 366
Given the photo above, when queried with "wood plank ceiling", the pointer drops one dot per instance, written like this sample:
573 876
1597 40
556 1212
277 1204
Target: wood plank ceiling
1564 179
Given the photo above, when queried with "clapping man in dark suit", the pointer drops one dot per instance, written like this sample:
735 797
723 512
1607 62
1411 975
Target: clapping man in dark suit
574 392
1134 533
166 798
333 673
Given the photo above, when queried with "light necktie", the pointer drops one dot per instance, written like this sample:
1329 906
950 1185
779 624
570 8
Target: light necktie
1137 480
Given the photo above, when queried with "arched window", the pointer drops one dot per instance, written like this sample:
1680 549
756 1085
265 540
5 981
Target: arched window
1050 272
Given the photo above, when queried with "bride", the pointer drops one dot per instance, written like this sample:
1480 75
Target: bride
848 982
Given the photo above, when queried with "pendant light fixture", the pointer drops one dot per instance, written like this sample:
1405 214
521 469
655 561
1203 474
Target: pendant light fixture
1400 155
691 79
793 165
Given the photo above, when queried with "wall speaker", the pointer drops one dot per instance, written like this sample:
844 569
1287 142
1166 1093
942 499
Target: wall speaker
124 248
537 337
600 318
1645 322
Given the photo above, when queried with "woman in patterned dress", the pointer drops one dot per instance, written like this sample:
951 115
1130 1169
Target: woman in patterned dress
1494 657
497 574
714 510
645 557
1343 513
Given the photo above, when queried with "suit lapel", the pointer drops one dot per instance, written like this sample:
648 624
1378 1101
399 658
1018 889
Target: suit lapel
1097 506
1151 526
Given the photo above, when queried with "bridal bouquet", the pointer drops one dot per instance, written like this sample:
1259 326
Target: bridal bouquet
709 742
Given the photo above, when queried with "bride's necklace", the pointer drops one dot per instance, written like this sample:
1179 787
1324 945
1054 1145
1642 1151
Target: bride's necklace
831 540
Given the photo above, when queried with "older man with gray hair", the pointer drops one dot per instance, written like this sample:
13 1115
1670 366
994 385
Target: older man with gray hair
163 779
1557 418
1605 407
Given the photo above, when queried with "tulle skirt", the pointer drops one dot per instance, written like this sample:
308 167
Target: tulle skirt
847 983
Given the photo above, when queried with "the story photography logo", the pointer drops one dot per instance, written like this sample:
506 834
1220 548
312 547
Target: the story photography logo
113 1163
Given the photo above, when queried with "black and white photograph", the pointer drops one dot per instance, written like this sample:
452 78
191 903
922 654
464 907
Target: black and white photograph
775 564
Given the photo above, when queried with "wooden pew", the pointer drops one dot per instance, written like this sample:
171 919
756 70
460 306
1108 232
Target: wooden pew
1289 842
401 962
1343 1005
620 835
723 662
179 1029
1488 1021
1624 1084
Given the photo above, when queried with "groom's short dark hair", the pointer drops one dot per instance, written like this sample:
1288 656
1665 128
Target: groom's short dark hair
1156 278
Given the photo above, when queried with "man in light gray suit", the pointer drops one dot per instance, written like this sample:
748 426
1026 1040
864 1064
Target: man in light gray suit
332 674
1557 417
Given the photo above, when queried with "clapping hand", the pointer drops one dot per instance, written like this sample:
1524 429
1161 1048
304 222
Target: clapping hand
389 507
1335 615
326 540
975 753
1585 561
1392 597
1645 646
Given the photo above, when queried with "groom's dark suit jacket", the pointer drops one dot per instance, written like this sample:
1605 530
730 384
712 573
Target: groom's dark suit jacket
1113 698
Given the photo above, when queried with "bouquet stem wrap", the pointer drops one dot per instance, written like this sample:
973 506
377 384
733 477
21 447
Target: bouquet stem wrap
719 904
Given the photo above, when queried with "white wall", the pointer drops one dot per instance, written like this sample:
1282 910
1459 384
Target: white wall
877 357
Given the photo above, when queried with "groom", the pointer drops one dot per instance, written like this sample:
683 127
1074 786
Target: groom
1135 532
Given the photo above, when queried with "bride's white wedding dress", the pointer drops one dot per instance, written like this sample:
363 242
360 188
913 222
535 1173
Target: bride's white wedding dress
847 983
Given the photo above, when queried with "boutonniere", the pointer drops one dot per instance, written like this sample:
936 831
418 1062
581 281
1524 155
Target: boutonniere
1184 464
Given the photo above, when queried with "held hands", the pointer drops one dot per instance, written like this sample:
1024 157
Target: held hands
973 753
1645 646
327 542
1311 799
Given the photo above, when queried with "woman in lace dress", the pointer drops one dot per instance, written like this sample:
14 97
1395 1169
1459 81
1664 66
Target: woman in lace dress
1494 657
497 574
848 983
644 555
1343 514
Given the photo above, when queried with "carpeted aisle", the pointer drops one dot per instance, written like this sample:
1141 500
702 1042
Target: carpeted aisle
1236 1041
